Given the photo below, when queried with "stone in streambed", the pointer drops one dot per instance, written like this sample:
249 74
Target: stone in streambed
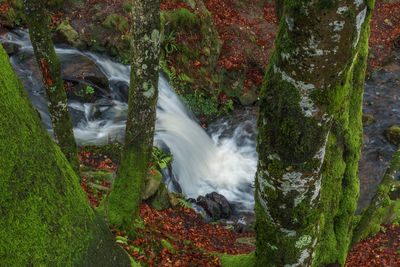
216 205
210 206
11 48
222 202
392 134
367 120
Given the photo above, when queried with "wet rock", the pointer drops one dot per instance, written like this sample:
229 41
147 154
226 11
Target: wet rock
367 119
86 82
216 205
222 202
210 206
11 48
121 89
66 34
76 115
81 67
392 134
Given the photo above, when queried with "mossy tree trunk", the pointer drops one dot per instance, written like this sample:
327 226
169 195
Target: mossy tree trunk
310 133
124 200
46 219
49 64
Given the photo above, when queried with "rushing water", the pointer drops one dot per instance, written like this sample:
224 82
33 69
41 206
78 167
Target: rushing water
223 160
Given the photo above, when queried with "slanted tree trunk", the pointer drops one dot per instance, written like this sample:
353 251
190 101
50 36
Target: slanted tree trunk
124 200
46 219
49 65
371 217
310 133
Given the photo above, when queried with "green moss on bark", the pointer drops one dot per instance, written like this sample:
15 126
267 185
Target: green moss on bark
45 219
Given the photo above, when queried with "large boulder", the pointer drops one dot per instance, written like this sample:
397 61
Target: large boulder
86 82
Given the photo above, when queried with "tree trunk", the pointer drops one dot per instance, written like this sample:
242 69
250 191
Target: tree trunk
49 65
45 219
310 133
123 203
279 9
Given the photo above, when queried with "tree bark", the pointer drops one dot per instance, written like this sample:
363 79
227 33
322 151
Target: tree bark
124 200
49 65
310 133
45 219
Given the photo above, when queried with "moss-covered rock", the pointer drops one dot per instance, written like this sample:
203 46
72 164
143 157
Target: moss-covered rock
152 184
66 34
248 98
367 120
392 134
161 199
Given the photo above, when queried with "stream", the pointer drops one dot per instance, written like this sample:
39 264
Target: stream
223 158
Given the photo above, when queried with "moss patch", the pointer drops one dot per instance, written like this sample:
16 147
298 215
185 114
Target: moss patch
237 260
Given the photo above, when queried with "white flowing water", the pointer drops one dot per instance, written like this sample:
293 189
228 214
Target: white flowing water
223 160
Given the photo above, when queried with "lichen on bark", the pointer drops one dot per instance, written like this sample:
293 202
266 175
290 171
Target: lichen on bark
49 64
123 203
310 134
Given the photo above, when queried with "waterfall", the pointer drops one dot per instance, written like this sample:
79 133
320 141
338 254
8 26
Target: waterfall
223 160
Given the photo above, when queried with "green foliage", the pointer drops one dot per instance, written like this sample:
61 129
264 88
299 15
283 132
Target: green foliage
169 44
160 158
184 204
199 103
122 240
185 78
89 90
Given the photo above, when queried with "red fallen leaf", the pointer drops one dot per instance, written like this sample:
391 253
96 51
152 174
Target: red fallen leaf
46 73
196 63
